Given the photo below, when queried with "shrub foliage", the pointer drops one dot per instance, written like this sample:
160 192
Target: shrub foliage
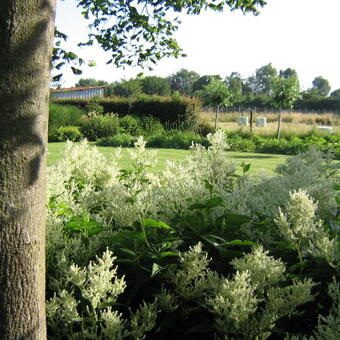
165 109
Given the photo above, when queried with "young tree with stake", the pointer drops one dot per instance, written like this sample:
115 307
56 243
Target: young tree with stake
285 92
217 95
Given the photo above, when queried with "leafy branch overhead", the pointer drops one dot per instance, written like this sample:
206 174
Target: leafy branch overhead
62 58
141 32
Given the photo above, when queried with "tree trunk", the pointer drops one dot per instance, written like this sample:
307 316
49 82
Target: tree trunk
26 36
279 124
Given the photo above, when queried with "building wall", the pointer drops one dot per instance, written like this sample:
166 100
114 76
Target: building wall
85 93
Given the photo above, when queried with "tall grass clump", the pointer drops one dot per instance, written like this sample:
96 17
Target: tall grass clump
62 115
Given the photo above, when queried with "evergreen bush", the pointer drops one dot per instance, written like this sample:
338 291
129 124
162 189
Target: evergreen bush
98 126
71 133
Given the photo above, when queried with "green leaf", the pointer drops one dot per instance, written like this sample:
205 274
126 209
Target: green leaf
76 71
168 253
209 186
128 251
245 167
95 230
151 223
214 202
208 204
156 268
236 219
240 243
85 14
57 77
213 240
297 266
82 224
129 235
197 206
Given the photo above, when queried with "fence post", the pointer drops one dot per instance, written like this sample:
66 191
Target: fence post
216 117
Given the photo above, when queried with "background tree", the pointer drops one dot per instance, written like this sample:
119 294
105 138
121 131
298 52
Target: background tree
287 73
335 94
285 92
235 84
127 88
84 82
217 95
203 81
183 80
155 85
134 34
263 80
311 94
321 85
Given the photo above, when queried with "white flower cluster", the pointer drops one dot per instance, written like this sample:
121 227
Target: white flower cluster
298 225
191 280
100 287
249 304
265 270
328 327
98 282
143 320
312 171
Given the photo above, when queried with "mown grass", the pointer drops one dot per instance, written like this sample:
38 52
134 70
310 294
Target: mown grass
257 161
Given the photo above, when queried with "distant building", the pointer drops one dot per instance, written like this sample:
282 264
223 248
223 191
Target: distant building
78 92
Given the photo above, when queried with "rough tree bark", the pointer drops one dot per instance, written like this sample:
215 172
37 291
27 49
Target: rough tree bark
26 36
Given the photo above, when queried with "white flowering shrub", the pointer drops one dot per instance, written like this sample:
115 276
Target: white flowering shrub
191 281
157 225
312 171
328 327
248 305
298 224
91 315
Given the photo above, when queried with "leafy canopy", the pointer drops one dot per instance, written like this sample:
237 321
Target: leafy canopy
216 94
321 85
138 32
285 92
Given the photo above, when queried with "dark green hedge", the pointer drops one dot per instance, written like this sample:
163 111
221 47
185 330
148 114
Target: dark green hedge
327 104
166 109
323 104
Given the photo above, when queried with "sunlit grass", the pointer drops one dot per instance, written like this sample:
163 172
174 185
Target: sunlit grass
258 161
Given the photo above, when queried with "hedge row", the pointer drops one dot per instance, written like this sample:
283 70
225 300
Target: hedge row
325 104
166 109
183 140
328 104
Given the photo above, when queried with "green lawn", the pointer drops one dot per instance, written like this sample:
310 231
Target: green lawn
257 160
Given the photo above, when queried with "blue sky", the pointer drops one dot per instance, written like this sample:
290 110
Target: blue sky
302 34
